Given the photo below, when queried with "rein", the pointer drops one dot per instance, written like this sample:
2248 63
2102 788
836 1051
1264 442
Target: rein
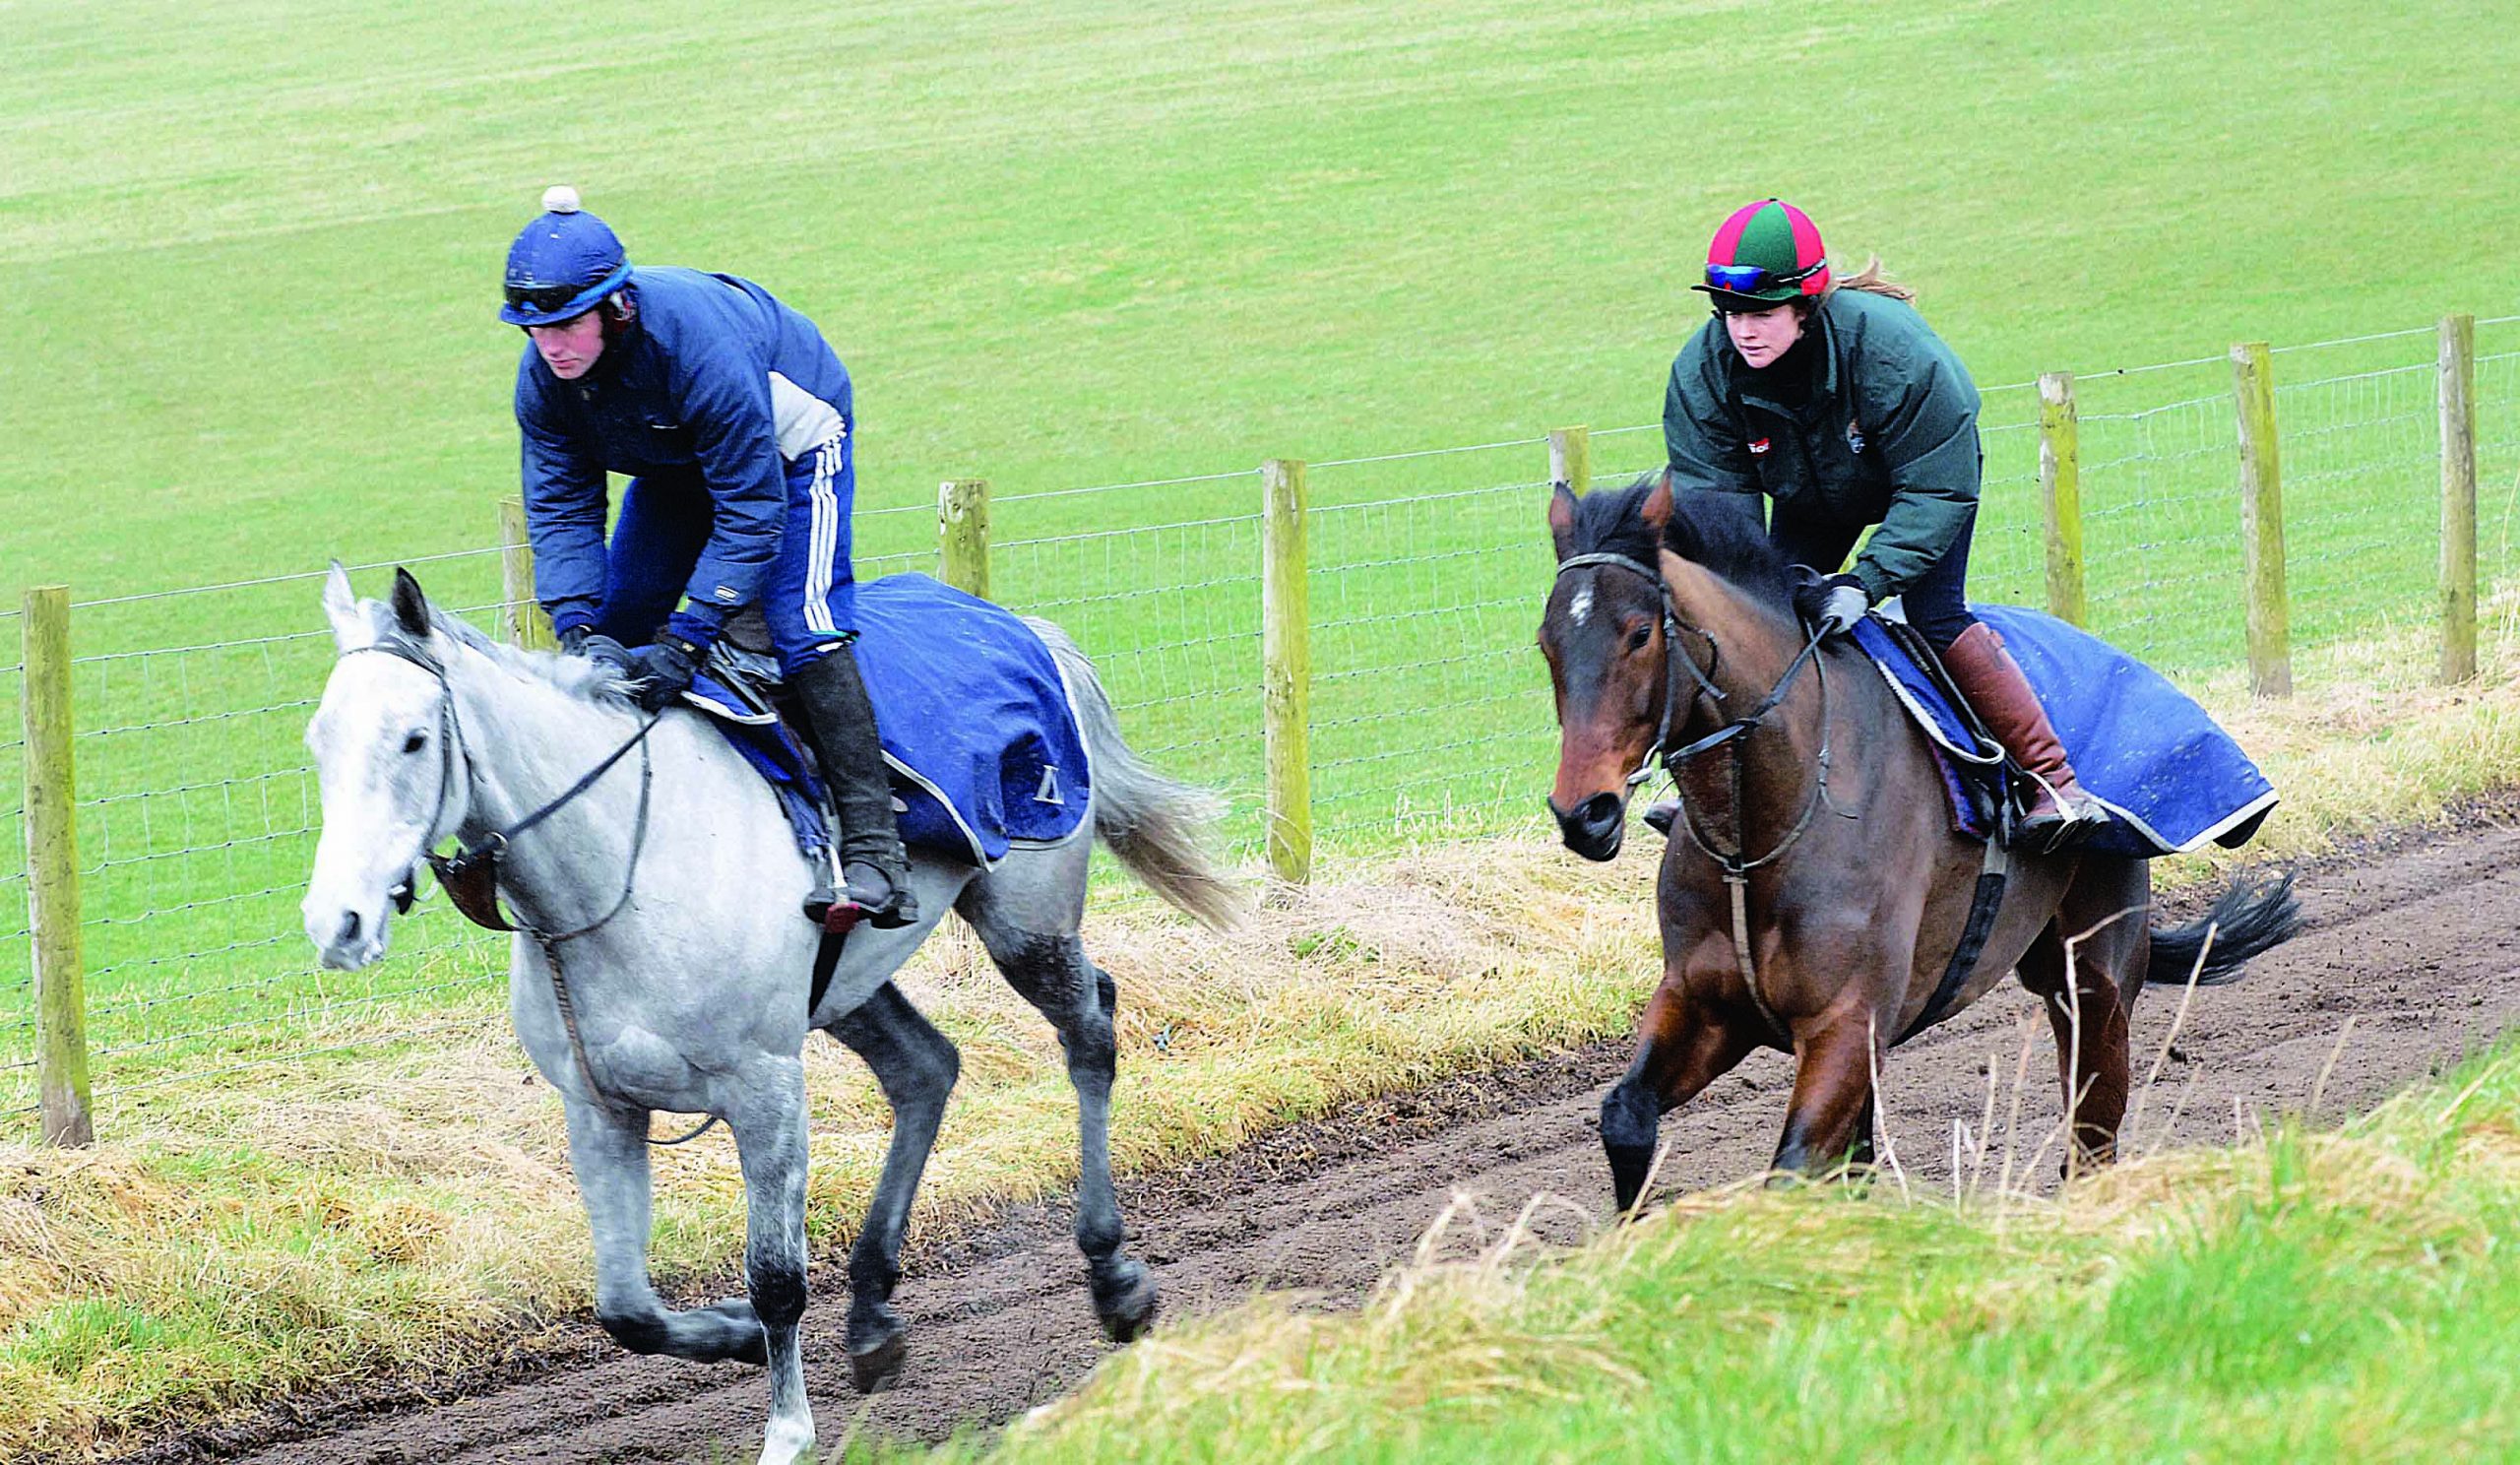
470 876
1728 738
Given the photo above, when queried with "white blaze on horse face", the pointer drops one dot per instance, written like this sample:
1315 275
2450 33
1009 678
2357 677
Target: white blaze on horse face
1580 609
378 765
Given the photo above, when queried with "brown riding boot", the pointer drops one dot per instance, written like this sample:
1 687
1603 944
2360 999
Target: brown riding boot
1993 683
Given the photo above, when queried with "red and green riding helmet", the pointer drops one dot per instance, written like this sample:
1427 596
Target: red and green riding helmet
1766 254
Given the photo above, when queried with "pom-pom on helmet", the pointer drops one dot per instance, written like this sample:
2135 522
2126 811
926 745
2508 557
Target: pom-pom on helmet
1766 254
563 264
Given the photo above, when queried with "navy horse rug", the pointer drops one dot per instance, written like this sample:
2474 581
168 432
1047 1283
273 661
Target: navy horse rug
2171 778
977 728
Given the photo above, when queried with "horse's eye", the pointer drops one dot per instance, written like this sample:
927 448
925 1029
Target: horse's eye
416 742
1637 638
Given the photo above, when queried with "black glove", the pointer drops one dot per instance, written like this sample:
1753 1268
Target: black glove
1832 606
614 656
663 669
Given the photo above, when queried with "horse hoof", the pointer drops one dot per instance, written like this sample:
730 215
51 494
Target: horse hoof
1128 1309
877 1368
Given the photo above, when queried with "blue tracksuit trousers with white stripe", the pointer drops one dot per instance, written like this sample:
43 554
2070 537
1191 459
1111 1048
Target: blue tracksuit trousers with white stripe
809 597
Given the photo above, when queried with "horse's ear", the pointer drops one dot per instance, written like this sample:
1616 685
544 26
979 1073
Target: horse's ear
1561 518
1657 508
410 606
340 607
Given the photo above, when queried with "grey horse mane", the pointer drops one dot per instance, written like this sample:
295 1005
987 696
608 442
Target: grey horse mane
575 677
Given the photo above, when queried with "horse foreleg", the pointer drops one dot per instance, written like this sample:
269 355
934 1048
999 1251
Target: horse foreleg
917 1067
1828 1123
770 1143
609 1151
1681 1047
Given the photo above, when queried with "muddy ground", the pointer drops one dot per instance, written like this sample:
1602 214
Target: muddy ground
2419 945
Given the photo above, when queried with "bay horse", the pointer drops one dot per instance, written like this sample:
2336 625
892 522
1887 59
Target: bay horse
660 962
1814 891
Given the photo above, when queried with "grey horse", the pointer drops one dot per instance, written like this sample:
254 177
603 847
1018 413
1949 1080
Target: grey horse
670 888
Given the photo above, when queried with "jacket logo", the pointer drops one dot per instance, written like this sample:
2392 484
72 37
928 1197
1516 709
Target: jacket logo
1758 445
726 592
1855 435
1050 793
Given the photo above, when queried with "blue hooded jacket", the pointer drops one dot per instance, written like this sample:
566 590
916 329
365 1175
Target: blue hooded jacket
714 372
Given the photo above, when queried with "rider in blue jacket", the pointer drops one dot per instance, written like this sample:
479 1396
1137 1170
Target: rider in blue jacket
731 416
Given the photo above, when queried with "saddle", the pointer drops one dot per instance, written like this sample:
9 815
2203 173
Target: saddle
2171 780
979 731
1988 790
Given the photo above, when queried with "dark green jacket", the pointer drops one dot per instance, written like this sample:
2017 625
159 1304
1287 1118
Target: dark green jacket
1888 434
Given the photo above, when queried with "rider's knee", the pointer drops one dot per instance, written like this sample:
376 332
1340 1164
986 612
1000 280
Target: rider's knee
1939 623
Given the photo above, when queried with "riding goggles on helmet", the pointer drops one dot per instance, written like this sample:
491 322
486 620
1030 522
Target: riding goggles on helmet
1745 280
543 299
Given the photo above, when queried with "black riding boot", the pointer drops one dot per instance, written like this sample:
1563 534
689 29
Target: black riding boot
872 863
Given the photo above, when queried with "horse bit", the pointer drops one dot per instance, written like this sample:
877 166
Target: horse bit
470 876
1736 869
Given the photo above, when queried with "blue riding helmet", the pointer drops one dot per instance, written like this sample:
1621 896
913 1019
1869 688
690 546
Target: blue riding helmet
562 264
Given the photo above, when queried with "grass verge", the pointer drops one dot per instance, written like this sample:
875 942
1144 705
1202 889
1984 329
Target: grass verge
401 1201
2330 1295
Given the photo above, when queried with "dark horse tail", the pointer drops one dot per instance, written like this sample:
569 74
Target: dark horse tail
2249 918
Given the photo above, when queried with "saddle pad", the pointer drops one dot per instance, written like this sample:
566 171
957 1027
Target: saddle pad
979 733
2171 778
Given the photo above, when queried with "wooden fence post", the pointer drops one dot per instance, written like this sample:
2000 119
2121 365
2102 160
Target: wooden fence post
962 534
1286 669
2270 637
1570 460
2458 358
529 624
2060 484
52 873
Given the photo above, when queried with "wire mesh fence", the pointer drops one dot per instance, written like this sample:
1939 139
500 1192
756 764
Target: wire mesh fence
198 813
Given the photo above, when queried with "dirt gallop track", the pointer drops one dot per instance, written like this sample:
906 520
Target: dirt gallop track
2419 946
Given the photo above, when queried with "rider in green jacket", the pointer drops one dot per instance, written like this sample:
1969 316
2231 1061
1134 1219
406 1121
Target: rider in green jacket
1843 407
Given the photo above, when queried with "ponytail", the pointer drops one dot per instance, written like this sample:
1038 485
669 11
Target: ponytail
1873 279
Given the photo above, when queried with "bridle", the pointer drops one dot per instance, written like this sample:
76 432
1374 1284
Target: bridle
1728 739
1675 658
470 875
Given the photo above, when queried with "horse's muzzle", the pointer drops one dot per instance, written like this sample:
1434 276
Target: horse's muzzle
1595 827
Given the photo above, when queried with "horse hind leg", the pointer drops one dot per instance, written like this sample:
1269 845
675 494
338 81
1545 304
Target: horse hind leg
608 1152
917 1067
1080 1000
2088 1010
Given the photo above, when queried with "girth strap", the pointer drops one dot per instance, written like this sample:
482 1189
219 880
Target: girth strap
1983 903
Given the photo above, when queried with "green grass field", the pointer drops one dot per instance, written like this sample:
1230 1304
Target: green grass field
248 252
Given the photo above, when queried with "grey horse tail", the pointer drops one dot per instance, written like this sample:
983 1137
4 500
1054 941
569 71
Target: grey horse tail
1160 829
